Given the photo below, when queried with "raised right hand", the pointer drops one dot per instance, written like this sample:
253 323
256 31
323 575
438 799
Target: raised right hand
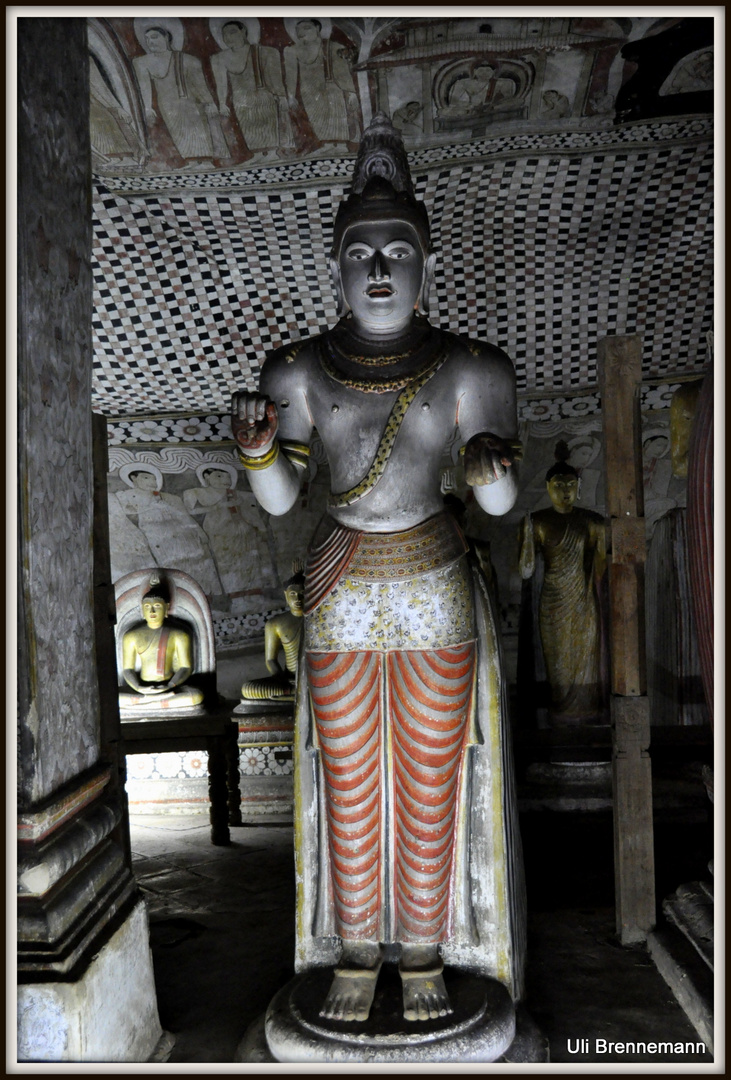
254 422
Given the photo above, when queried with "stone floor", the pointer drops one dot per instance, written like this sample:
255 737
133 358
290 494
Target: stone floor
222 935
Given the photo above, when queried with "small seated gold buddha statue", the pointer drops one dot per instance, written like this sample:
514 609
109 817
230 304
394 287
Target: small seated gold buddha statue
282 633
165 658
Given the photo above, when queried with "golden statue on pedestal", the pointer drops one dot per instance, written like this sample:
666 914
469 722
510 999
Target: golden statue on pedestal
164 656
573 544
281 633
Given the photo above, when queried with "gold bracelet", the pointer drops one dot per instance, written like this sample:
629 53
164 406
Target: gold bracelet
262 462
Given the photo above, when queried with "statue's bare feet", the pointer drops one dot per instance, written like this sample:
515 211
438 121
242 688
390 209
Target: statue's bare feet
351 992
424 994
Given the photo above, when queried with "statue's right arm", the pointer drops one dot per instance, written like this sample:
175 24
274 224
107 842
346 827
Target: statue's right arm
129 655
260 419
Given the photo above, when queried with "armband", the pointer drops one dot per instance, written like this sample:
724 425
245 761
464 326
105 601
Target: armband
262 462
297 453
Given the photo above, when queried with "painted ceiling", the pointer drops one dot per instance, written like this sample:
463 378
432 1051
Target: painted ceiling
566 164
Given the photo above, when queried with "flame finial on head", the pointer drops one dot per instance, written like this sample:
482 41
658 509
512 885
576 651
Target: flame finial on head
382 186
562 453
157 589
381 153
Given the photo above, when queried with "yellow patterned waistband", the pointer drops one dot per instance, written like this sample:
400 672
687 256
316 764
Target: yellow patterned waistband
397 556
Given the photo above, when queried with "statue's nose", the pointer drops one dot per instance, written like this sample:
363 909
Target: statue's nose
379 271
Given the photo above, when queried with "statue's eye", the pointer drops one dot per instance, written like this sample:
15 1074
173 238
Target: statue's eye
358 252
398 250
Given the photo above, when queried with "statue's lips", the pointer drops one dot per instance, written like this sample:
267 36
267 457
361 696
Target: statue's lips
379 291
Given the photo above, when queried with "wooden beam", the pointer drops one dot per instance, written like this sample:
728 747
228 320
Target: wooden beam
620 368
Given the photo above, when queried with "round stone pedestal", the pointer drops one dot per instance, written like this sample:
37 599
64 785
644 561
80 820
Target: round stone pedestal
480 1029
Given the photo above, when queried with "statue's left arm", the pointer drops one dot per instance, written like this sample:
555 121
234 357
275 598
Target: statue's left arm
487 423
182 661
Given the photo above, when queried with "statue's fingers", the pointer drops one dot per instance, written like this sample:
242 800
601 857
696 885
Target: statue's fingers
271 414
260 409
250 414
498 468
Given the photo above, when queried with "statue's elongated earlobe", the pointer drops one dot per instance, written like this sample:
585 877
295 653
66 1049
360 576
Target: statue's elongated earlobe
423 302
337 286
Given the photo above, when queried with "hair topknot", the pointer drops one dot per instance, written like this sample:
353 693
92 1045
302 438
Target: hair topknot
157 589
382 186
562 453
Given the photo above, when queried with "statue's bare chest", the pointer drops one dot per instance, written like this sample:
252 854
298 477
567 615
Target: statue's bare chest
415 420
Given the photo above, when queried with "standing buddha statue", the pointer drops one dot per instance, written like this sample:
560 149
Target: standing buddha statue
572 543
401 737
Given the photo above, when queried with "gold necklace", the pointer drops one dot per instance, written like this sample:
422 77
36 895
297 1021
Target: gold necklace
382 384
375 361
381 360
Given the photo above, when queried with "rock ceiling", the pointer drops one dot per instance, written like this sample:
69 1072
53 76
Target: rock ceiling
566 164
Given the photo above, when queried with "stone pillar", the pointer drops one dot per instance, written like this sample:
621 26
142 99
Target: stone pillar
620 366
86 988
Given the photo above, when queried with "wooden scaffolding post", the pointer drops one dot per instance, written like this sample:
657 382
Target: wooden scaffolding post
620 375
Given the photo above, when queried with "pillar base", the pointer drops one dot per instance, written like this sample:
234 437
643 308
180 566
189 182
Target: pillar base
109 1013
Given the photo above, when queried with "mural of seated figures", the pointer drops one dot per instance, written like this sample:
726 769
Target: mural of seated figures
197 94
237 534
175 91
116 115
471 93
252 75
316 70
174 537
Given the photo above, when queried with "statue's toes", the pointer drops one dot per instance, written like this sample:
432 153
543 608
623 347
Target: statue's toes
361 1009
423 1008
332 1006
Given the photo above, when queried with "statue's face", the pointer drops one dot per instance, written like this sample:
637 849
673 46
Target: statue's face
563 491
655 448
307 31
294 595
156 42
154 612
483 73
145 481
235 36
381 273
218 478
583 454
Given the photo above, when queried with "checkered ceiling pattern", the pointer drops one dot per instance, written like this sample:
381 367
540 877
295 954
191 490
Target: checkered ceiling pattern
542 255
